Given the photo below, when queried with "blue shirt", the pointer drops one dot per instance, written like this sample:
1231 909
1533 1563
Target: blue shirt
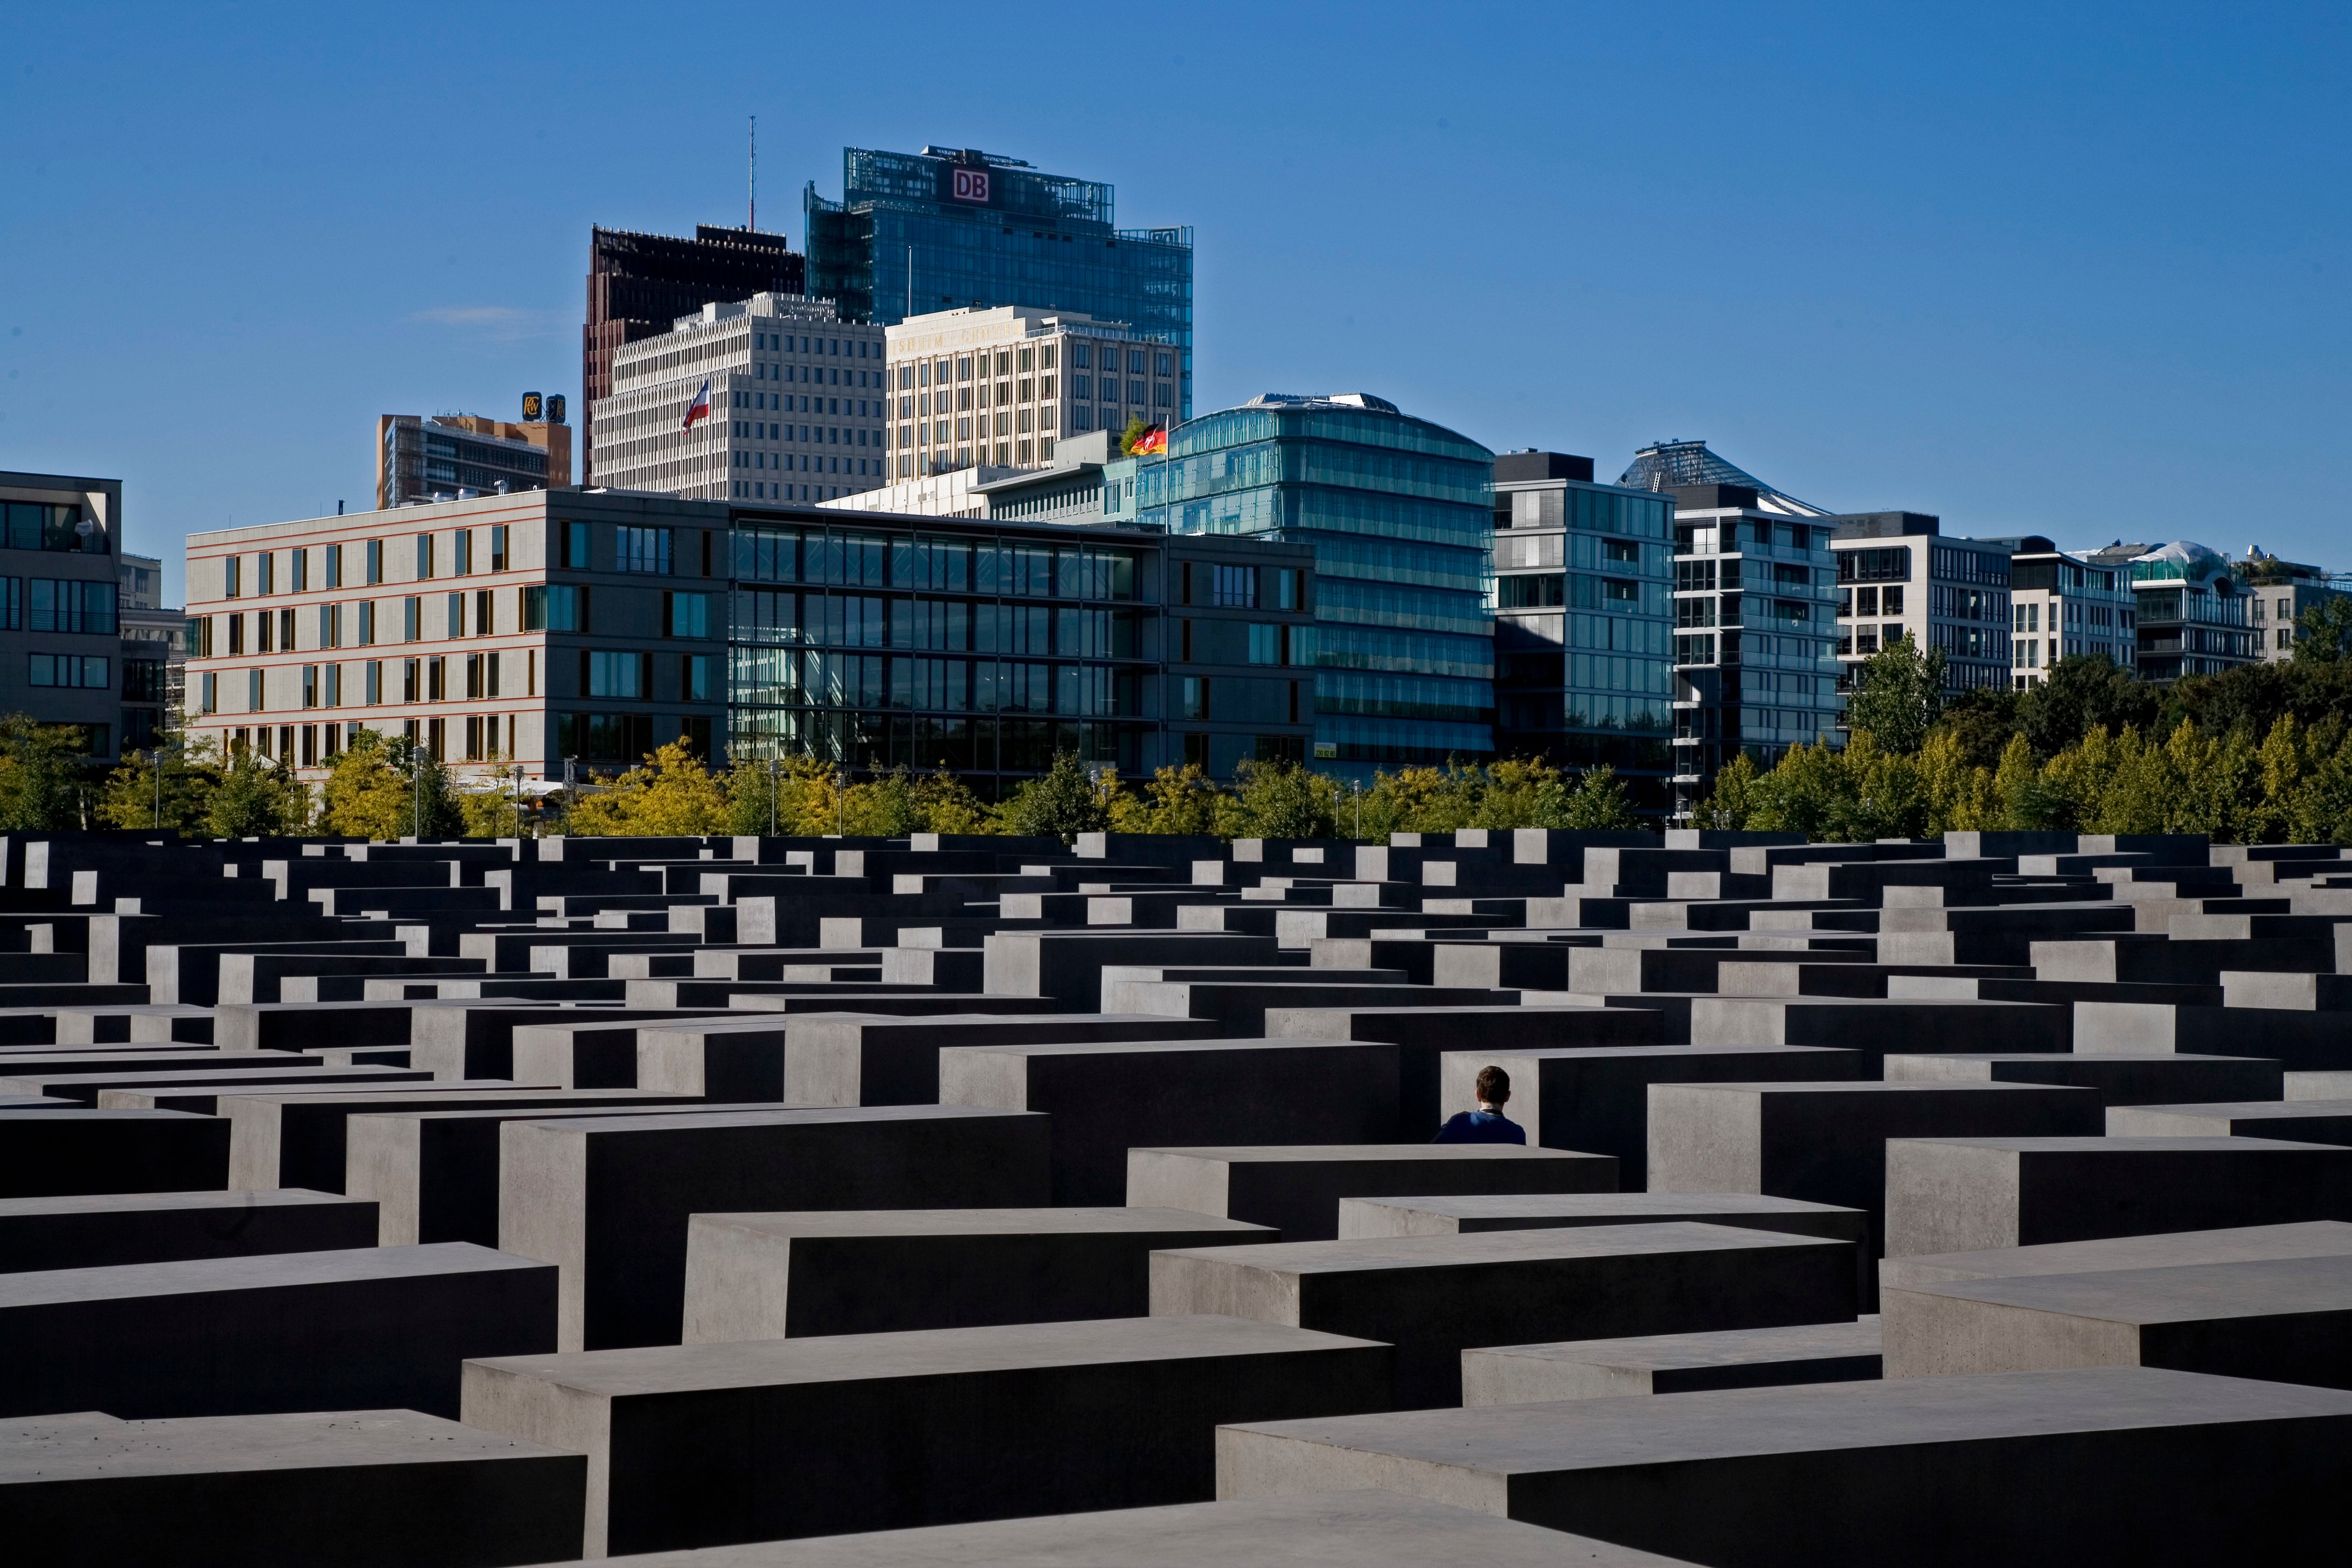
1481 1127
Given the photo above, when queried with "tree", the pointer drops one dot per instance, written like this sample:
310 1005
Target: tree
1898 693
130 799
1981 720
1178 800
258 797
1598 801
1731 798
669 794
2078 695
491 813
1285 800
2323 633
1062 804
41 768
388 788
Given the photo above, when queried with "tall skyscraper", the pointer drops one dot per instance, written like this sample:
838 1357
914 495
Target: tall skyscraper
916 232
638 284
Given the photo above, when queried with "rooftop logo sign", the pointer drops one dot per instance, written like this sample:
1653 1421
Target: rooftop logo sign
969 184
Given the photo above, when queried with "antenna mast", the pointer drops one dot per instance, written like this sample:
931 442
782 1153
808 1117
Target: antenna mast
755 173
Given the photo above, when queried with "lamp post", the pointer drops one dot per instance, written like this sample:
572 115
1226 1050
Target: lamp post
841 803
772 797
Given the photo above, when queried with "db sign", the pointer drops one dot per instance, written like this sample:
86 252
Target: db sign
972 186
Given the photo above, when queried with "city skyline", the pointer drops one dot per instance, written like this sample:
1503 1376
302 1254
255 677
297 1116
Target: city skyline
1981 270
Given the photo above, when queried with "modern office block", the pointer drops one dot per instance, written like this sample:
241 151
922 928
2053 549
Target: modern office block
456 457
1899 576
2062 606
61 648
997 387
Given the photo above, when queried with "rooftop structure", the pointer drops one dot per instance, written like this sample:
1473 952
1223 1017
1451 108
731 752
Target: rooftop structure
453 457
2189 611
1671 465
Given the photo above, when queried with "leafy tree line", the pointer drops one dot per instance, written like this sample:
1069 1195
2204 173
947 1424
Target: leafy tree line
2256 754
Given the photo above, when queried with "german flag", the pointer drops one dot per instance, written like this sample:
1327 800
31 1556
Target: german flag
1153 439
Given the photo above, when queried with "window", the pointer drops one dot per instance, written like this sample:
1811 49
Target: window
69 669
461 553
1184 638
694 678
1195 697
685 614
334 674
643 549
373 683
574 538
299 564
556 607
309 686
424 557
1082 357
473 676
411 684
453 616
1286 588
1890 601
611 674
208 693
374 563
485 612
498 548
65 606
1165 364
38 525
268 574
1269 645
1236 586
232 575
255 691
411 620
436 678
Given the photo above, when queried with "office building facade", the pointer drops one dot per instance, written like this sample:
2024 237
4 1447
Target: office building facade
946 229
456 457
154 647
639 284
60 648
999 388
1755 638
524 628
2277 592
1399 513
1584 625
1898 575
798 405
2062 606
2191 614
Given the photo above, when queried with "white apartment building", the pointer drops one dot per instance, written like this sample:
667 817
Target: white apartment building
2060 607
824 438
998 388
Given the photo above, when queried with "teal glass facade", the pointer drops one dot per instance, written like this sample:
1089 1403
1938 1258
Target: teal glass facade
935 230
1397 510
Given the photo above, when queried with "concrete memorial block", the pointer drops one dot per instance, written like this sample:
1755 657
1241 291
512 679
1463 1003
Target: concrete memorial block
95 1230
433 1175
1064 967
608 1199
791 1276
1828 1143
2164 1249
2288 993
85 1088
1108 1099
1423 1035
1297 1188
298 1140
2147 958
2300 1121
1963 1195
52 1154
371 1488
1598 1101
299 1025
704 1444
476 1040
1432 1296
1342 1529
2300 1041
2283 1320
2121 1080
846 1060
1947 1472
1239 1008
1671 1363
379 1327
1874 1028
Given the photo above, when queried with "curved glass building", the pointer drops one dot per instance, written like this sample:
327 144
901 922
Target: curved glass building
1400 512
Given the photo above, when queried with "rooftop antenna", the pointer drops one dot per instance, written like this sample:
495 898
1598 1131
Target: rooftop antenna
755 173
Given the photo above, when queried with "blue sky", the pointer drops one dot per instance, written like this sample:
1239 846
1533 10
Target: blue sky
2068 270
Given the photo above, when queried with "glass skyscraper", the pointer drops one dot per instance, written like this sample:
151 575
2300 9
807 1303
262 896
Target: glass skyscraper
916 232
1399 513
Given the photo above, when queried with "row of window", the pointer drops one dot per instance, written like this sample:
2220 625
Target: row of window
546 607
41 525
939 565
445 678
788 678
318 746
266 577
70 670
58 604
2026 618
781 616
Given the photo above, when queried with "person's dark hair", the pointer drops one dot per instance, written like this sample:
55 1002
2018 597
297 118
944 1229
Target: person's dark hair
1493 1084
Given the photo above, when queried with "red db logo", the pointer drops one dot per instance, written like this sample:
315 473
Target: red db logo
971 185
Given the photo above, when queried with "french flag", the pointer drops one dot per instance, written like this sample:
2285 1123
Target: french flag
699 408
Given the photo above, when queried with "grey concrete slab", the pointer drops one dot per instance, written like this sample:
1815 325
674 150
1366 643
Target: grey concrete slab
280 1140
2283 1320
88 1231
2300 1041
1239 1008
1597 1098
51 1153
2162 1249
2288 993
1432 1296
1297 1188
2299 1122
2151 1467
1423 1035
2121 1079
1874 1028
379 1327
2319 1085
433 1172
608 1198
791 1276
1330 1530
85 1088
1105 1099
847 1059
1828 1143
1966 1194
371 1488
1671 1363
704 1444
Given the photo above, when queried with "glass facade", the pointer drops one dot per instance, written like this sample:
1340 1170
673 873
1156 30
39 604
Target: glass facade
916 232
873 646
1756 631
1397 510
1584 628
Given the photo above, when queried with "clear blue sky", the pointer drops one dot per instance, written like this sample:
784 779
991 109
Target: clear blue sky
2073 270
